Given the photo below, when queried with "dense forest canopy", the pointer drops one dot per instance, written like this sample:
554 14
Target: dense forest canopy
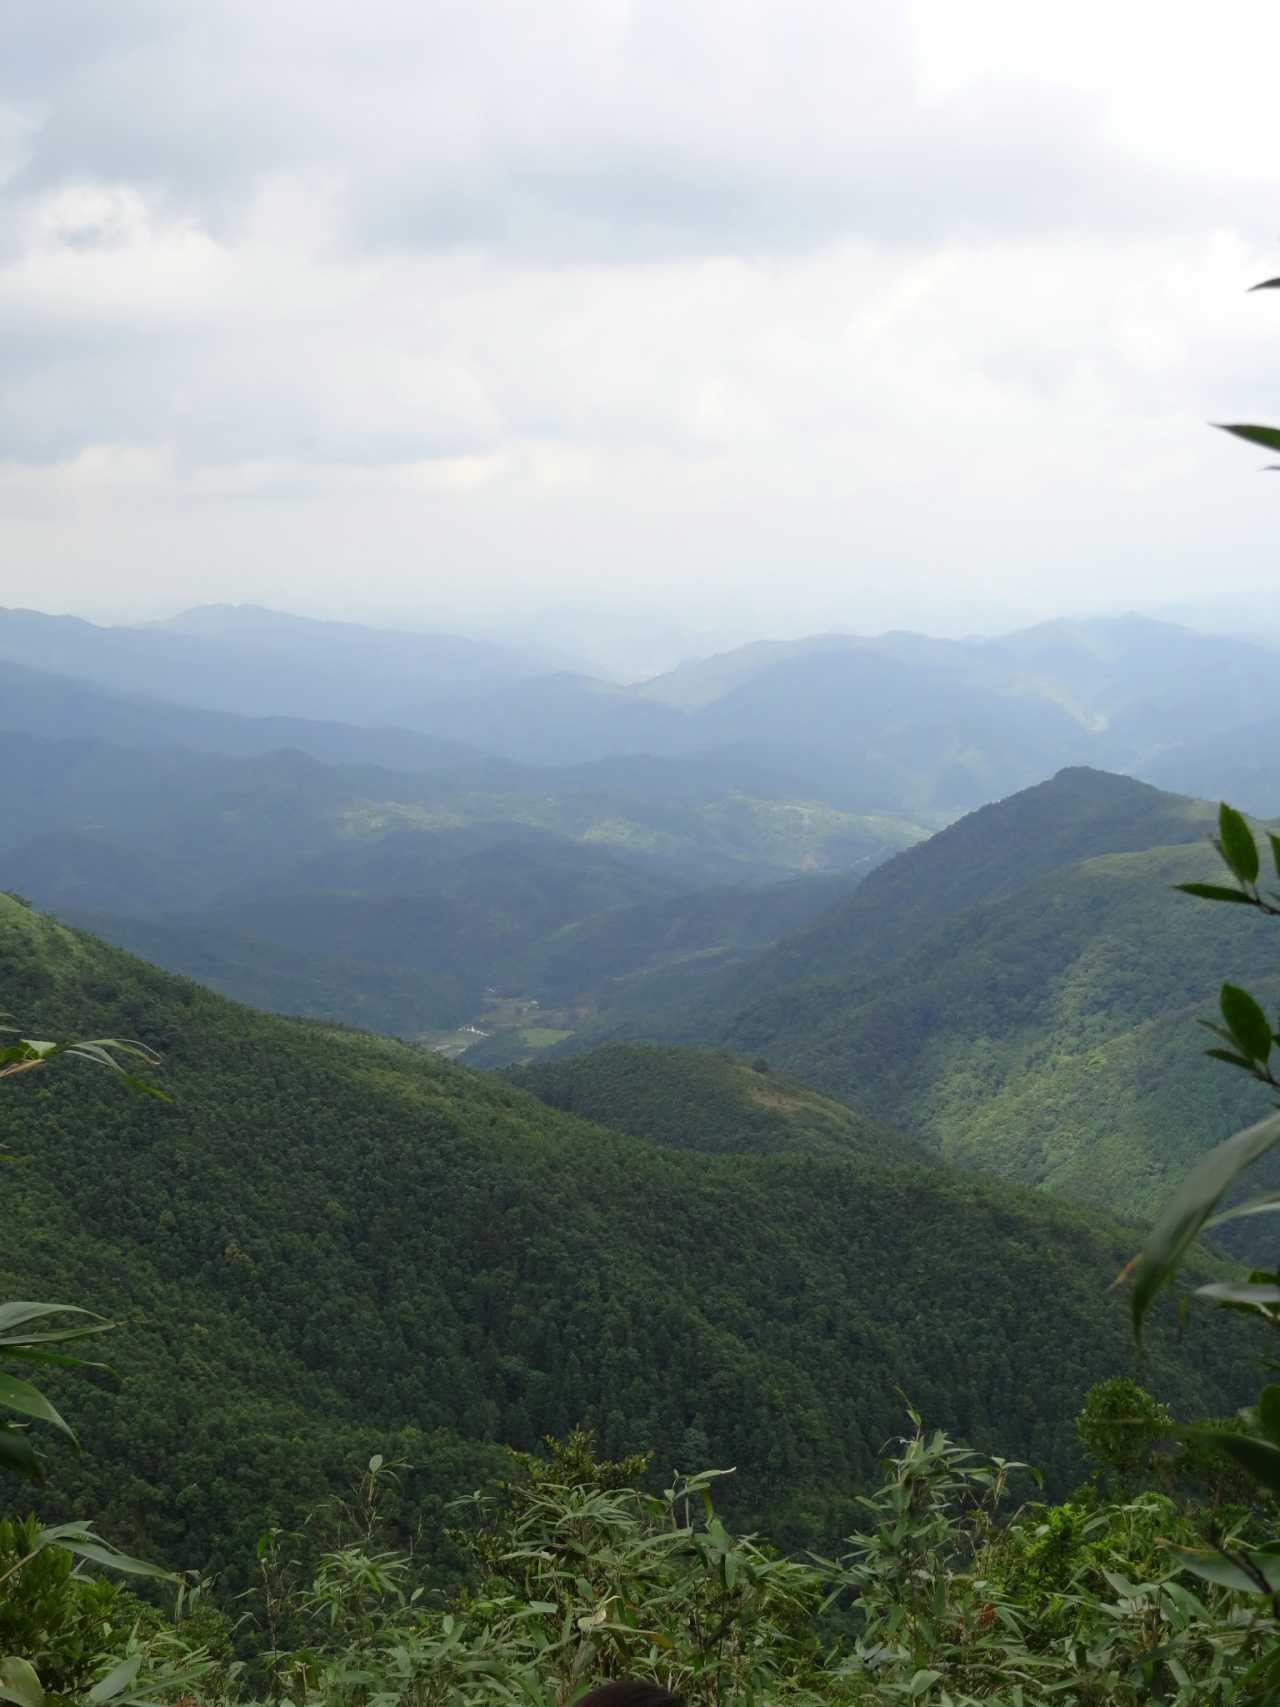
328 1241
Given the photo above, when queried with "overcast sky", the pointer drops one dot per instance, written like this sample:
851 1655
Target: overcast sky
773 314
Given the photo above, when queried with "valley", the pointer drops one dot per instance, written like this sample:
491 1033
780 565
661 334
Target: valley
639 855
710 1101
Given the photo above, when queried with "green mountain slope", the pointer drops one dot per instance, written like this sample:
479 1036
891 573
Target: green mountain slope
329 1242
790 999
398 1000
1020 993
1048 1036
704 1100
1076 814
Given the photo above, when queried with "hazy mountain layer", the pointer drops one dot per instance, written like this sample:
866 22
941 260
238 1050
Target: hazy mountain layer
259 662
899 724
446 886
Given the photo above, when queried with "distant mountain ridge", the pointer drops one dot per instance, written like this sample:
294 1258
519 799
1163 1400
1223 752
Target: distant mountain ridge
900 723
262 664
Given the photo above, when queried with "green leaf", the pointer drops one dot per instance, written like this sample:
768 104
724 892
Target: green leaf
1235 839
1268 437
115 1682
1214 892
924 1679
1269 1411
1213 1568
54 1359
1267 1203
1246 1022
18 1315
1239 1292
1191 1206
29 1401
19 1682
80 1540
1232 1058
18 1455
1259 1457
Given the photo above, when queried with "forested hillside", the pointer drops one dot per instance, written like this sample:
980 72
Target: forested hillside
705 1100
327 1242
1020 993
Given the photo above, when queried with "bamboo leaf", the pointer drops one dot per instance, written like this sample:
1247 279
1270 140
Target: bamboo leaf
80 1540
1246 1022
1259 1457
115 1682
18 1455
1265 1204
1232 1059
1191 1206
20 1682
1211 1567
1267 437
29 1401
17 1315
1236 842
1239 1292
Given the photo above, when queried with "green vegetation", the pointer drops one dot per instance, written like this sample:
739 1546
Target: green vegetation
329 1245
572 1570
401 1001
1020 994
699 1099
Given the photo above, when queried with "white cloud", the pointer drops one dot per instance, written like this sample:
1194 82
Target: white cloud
845 312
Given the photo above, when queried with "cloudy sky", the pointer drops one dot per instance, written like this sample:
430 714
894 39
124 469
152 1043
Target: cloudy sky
772 314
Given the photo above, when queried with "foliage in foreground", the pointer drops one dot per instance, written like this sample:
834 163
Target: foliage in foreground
575 1573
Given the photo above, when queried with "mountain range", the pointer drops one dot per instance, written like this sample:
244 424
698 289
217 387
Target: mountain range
846 1019
902 724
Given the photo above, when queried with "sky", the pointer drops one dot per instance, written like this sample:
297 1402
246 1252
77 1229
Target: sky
755 316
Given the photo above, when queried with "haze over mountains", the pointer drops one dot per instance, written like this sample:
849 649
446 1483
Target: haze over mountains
552 837
900 722
851 950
